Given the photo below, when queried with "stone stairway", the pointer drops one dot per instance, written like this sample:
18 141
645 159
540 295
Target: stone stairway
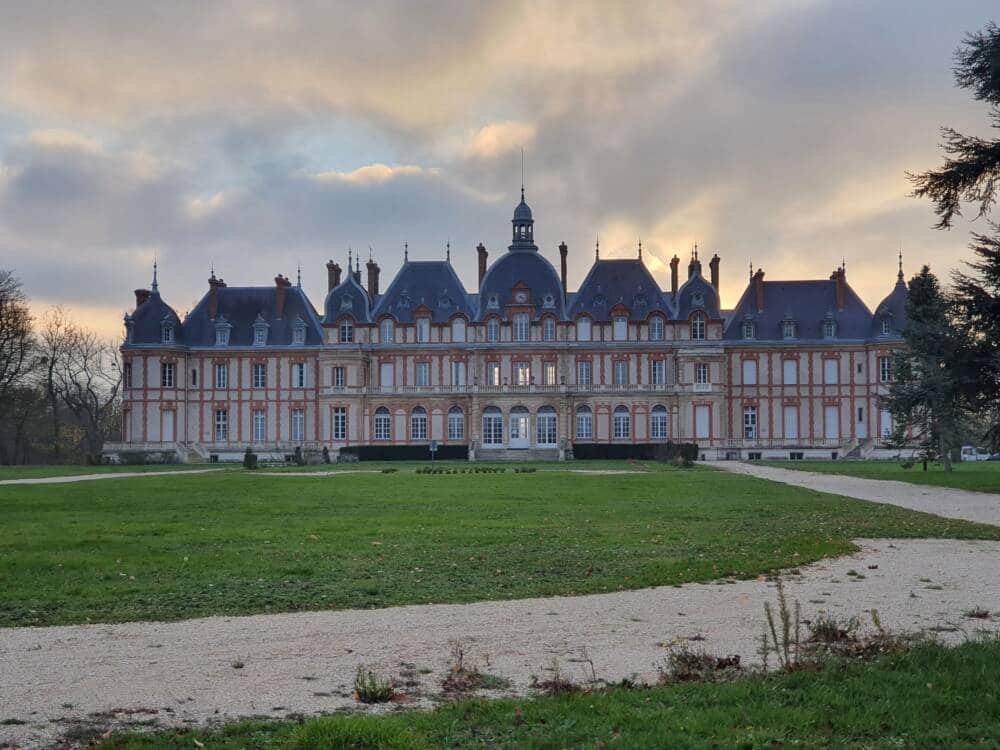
517 454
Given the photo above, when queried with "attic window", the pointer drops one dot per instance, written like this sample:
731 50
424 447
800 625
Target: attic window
222 333
299 331
788 329
492 301
698 299
260 331
347 302
600 300
749 331
167 333
404 301
639 300
829 328
444 303
549 301
886 327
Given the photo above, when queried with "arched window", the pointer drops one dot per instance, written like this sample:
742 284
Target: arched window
418 423
583 329
456 424
622 423
383 424
387 331
346 331
549 329
458 329
656 328
545 426
658 423
749 331
492 426
584 423
493 330
698 327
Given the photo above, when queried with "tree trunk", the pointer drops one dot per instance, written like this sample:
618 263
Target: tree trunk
945 456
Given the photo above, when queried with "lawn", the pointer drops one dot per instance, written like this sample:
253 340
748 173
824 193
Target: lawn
979 476
65 470
932 697
238 543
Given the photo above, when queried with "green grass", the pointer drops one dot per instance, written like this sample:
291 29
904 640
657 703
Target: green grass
979 476
932 697
239 543
65 470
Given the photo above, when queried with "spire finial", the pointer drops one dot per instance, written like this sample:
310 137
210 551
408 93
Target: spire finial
899 275
406 251
751 269
640 248
349 263
447 253
843 264
522 174
155 286
298 275
212 268
597 248
695 252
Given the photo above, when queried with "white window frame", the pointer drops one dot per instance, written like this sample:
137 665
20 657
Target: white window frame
298 425
790 366
458 373
522 327
656 328
259 335
259 425
698 327
584 372
885 369
339 376
749 330
383 424
788 329
622 423
345 332
546 428
493 330
222 335
831 371
458 330
619 328
493 376
221 425
492 428
701 373
422 374
886 327
750 372
584 423
548 373
584 330
259 375
167 375
548 329
658 371
522 373
456 424
167 334
659 422
749 422
298 375
221 375
619 372
423 330
299 334
340 423
829 329
387 331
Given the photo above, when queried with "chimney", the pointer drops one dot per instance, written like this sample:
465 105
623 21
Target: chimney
758 288
563 251
373 270
840 276
214 285
280 284
675 263
481 252
141 295
332 275
714 267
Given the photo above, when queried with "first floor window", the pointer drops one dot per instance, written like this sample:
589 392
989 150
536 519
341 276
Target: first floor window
549 373
749 372
298 425
545 426
584 423
418 424
750 422
492 373
127 375
698 327
167 375
339 377
492 427
658 372
299 375
549 329
458 373
658 423
522 373
884 369
340 423
383 424
701 373
456 424
422 374
583 372
346 332
259 426
221 425
622 423
831 374
620 372
222 376
259 375
790 371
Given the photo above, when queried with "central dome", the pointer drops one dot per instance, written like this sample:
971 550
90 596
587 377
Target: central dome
523 227
516 274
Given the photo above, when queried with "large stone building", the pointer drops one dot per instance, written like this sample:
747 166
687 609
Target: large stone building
522 367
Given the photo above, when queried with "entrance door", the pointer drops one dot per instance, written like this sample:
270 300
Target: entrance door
831 423
520 436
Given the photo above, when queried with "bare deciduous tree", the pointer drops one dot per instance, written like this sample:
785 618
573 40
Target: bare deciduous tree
16 338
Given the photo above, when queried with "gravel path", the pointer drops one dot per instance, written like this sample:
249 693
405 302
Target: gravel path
61 678
105 475
981 507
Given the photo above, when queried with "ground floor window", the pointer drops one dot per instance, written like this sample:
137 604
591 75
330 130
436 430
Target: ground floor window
221 425
340 423
259 426
750 422
492 427
298 425
584 423
658 423
456 424
418 424
622 423
545 426
383 424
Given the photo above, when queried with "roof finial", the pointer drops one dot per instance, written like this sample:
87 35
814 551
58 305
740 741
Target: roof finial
522 174
212 268
447 254
155 285
843 264
751 269
900 274
406 251
298 275
349 264
694 255
640 248
597 248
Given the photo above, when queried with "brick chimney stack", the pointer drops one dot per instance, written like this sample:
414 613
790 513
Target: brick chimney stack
281 284
675 263
714 267
840 276
373 271
563 252
758 288
332 275
482 254
141 295
214 285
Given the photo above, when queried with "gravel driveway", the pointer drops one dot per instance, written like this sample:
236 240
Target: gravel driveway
59 679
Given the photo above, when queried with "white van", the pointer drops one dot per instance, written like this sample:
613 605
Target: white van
971 453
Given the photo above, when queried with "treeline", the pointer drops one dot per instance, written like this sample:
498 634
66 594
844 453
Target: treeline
59 384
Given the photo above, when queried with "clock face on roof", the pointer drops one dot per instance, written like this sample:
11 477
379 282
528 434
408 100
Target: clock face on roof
521 297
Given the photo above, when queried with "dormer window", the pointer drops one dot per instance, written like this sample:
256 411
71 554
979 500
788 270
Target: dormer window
260 331
886 327
583 329
620 328
222 329
347 302
387 331
548 301
423 330
346 332
656 328
829 328
493 302
698 328
521 327
749 331
129 326
492 330
698 299
788 329
549 329
167 333
299 332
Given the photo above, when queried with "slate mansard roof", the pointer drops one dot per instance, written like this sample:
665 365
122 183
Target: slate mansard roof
521 268
148 319
429 284
697 294
892 309
619 282
242 307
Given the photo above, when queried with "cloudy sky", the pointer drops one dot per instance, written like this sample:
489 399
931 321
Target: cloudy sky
259 135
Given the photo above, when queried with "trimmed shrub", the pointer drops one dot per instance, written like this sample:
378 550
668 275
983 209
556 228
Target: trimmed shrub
636 451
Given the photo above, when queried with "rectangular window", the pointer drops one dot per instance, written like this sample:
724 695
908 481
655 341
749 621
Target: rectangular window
340 423
622 424
222 376
299 334
545 429
658 371
492 373
259 426
549 329
620 331
339 377
790 372
259 335
383 424
791 417
298 425
619 373
222 335
221 425
259 375
583 329
167 375
658 424
492 429
749 372
422 374
127 375
299 375
522 328
549 373
194 377
831 371
701 422
831 423
386 373
522 373
701 373
750 422
885 369
583 372
346 332
423 330
458 373
492 330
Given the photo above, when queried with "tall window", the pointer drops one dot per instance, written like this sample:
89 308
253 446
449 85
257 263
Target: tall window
126 375
418 423
221 425
167 375
619 373
788 329
829 329
222 376
698 327
831 374
422 374
423 330
584 423
749 372
545 426
701 373
658 423
298 425
386 375
749 330
346 332
492 426
299 333
750 422
620 328
383 424
340 423
387 331
790 372
167 334
584 376
458 329
583 329
339 377
458 373
522 373
492 373
886 327
885 369
656 328
493 330
259 425
259 335
299 375
549 329
522 328
259 375
658 371
456 423
622 422
194 377
549 373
